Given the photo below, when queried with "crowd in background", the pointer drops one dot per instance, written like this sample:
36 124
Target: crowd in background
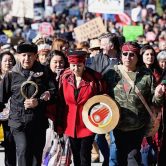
64 23
95 58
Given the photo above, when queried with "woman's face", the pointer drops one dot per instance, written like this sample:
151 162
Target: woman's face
77 69
6 63
162 64
148 57
43 57
57 62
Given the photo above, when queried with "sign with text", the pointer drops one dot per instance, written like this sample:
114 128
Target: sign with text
46 29
90 29
106 6
23 8
131 32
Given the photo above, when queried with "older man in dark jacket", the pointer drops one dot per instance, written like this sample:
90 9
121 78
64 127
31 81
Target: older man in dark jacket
27 119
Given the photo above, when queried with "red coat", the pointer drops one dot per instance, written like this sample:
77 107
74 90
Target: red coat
89 86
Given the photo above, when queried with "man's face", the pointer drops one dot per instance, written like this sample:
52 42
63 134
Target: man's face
27 59
129 59
106 45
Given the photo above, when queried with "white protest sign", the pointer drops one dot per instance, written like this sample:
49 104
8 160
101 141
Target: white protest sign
90 29
106 6
23 8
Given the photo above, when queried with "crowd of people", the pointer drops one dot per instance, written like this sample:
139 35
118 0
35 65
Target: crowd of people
51 77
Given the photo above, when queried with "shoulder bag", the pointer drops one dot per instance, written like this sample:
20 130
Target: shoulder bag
155 113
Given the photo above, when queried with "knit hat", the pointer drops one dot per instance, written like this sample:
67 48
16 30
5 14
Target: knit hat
43 48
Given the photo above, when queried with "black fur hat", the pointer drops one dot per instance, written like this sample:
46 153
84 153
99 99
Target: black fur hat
27 47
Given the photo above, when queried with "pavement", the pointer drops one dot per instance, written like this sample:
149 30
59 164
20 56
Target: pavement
2 159
2 156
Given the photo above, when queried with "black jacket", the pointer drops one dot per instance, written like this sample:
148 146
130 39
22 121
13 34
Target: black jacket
100 63
10 86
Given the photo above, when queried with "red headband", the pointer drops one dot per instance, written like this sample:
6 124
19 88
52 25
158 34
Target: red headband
75 59
130 47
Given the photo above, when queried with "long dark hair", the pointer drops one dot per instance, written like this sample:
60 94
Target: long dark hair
155 69
143 50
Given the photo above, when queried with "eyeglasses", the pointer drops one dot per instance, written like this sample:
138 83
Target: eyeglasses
130 54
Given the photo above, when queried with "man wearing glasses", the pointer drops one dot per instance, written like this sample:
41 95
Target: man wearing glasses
133 114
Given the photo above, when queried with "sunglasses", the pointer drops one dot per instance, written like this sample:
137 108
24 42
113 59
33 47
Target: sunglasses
130 54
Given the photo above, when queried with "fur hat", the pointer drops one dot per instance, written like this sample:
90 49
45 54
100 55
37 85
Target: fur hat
27 47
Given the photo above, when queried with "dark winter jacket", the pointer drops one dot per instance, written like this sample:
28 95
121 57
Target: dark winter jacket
10 86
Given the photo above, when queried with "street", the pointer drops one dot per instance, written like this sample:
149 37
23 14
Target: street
2 159
2 156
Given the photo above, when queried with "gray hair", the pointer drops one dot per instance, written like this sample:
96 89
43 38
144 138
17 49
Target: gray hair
161 55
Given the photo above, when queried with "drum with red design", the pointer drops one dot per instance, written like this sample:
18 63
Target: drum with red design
101 114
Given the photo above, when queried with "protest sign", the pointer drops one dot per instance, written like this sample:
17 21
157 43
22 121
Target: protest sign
46 29
23 8
90 29
106 6
131 32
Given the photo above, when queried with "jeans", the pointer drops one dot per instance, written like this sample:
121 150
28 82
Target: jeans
104 147
149 155
113 151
